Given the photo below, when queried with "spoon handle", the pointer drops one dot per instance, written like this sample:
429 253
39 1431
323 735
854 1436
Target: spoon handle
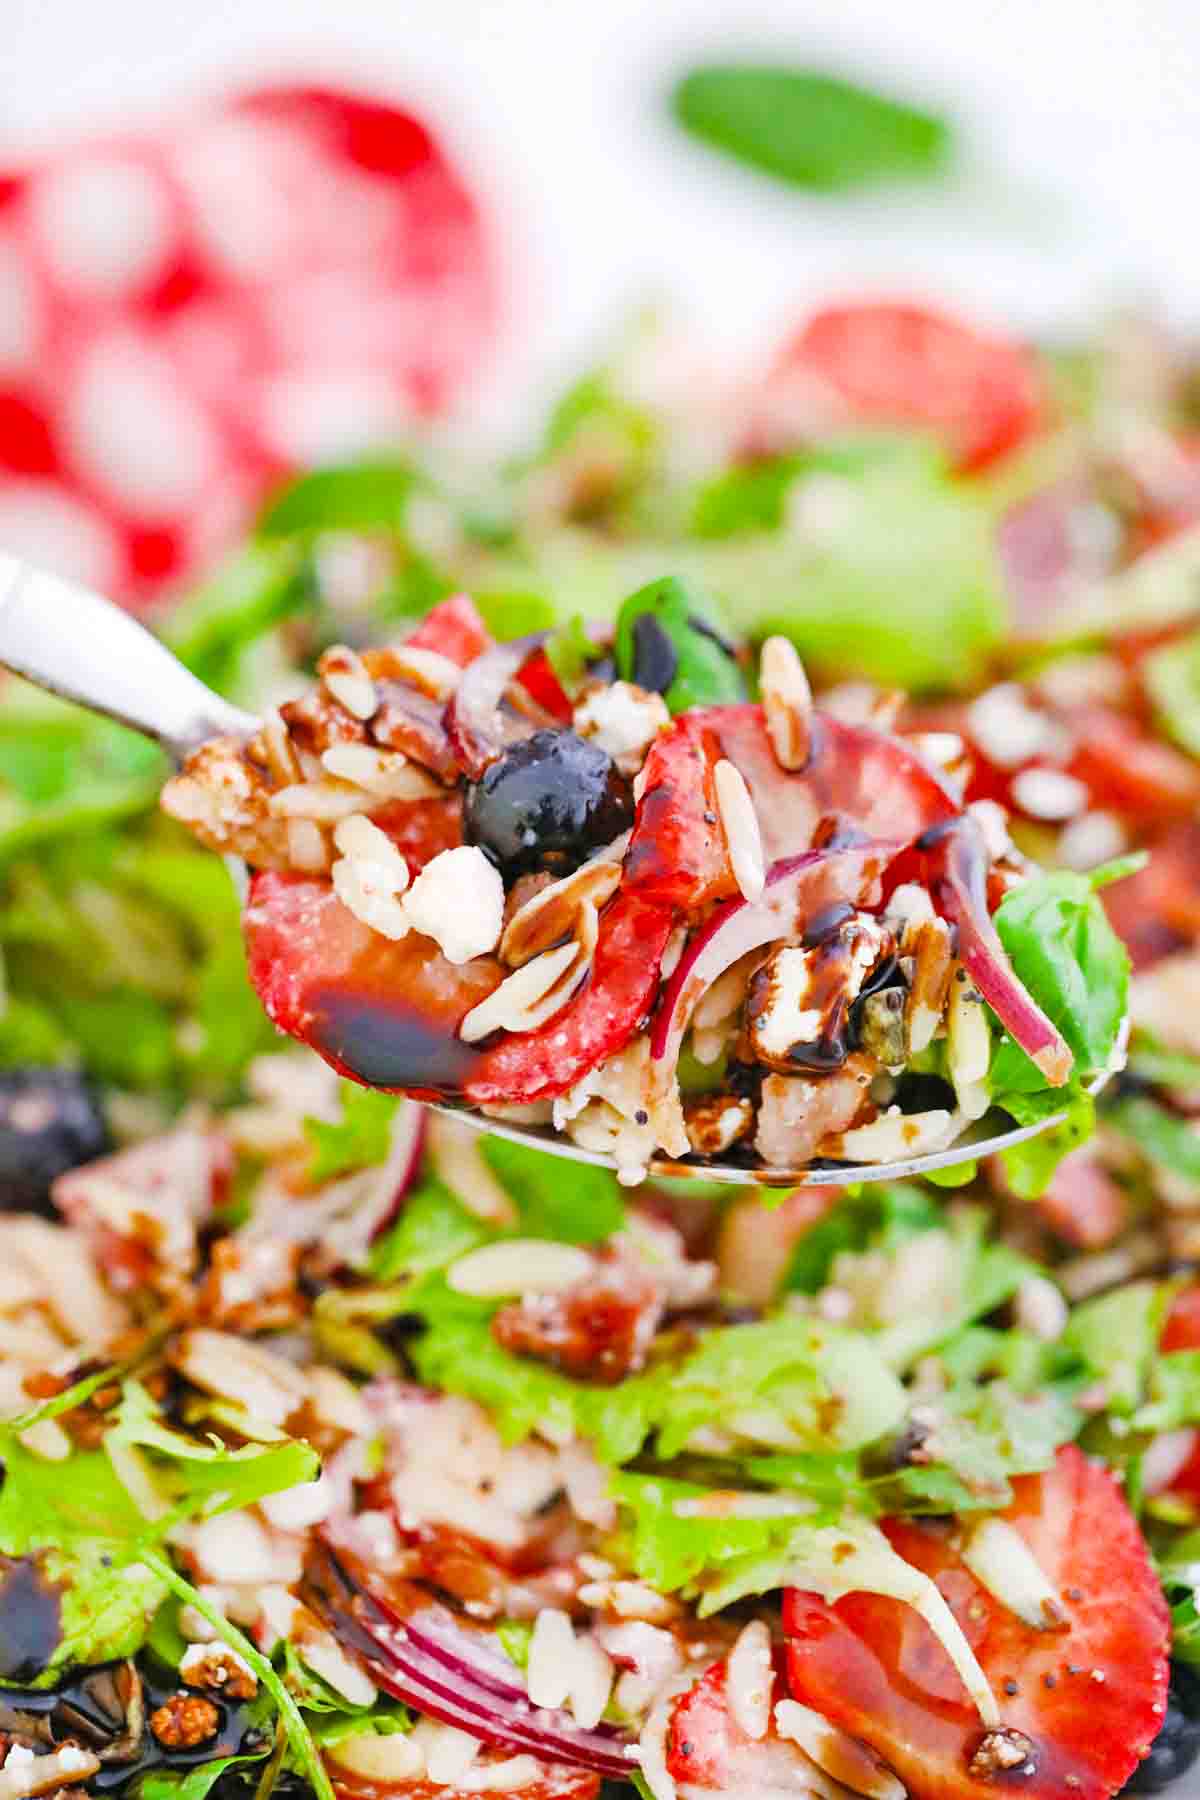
75 643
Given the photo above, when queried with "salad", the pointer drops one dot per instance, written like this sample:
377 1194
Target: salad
347 1451
475 877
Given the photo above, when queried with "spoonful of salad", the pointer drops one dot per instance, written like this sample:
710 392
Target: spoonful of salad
585 892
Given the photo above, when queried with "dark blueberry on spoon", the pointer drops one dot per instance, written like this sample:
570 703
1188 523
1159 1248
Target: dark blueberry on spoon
547 803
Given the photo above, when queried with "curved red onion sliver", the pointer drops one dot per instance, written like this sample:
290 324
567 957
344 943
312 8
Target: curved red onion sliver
474 722
957 876
797 888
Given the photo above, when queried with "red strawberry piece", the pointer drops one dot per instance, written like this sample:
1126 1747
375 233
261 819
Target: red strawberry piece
1084 1702
888 363
856 777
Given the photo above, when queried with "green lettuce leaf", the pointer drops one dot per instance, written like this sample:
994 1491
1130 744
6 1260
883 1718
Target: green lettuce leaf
198 1477
358 1140
585 1208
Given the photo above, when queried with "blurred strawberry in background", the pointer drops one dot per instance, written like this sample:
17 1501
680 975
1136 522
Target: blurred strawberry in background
189 313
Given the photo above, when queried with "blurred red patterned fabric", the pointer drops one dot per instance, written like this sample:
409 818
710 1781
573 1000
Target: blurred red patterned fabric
189 313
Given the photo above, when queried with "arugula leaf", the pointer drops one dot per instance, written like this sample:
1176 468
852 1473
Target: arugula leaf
808 128
584 1206
515 1637
1174 1393
208 1478
358 1140
569 651
1066 953
705 673
794 1380
433 1229
190 1784
78 1522
823 1387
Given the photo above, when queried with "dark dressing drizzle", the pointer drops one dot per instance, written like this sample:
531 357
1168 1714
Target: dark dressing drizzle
387 1045
30 1618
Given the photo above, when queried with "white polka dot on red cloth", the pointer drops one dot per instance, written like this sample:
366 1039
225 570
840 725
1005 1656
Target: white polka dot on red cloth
187 314
105 227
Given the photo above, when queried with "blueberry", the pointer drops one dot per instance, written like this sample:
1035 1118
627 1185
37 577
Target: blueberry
547 803
1177 1745
50 1121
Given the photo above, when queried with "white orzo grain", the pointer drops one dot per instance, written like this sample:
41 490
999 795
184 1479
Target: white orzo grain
322 801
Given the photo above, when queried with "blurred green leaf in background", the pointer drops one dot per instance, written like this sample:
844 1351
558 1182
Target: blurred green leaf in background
813 130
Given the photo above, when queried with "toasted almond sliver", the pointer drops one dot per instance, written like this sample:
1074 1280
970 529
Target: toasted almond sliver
554 913
530 995
322 801
787 702
519 1266
740 824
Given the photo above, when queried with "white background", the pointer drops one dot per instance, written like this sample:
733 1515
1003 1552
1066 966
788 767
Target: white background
1080 118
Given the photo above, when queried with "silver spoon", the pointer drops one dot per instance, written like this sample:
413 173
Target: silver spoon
82 647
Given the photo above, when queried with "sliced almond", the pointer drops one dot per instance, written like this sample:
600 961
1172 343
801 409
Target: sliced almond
555 913
787 702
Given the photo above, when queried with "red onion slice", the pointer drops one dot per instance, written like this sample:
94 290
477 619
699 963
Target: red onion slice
798 888
452 1672
957 863
476 726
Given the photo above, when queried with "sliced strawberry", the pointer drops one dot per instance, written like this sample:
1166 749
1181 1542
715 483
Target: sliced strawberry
454 629
603 1016
707 1748
556 1781
856 778
900 364
1086 1701
387 1014
1157 910
542 684
1182 1329
1132 773
384 1013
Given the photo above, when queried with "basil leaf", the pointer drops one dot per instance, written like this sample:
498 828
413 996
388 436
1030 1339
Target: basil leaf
664 642
810 129
1064 950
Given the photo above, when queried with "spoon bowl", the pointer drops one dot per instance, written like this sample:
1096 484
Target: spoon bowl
78 645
